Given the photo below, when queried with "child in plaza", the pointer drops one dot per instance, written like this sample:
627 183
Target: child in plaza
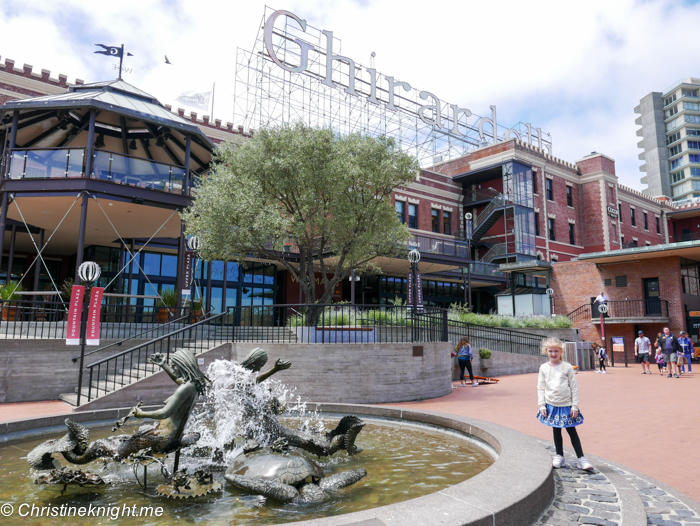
465 354
557 397
660 361
602 358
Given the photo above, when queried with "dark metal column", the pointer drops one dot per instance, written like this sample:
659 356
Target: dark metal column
81 235
37 272
11 258
131 268
223 290
13 132
3 222
186 180
120 278
90 147
208 286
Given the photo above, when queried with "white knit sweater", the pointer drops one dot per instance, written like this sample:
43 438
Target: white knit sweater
556 385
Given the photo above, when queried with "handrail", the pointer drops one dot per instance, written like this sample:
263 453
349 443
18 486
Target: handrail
160 338
496 202
119 343
648 308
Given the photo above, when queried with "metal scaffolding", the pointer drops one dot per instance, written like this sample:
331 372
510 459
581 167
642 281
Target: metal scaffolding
266 94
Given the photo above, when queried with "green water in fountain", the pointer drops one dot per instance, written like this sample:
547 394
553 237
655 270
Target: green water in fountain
403 461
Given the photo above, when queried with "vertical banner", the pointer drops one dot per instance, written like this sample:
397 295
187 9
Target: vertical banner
419 291
409 290
92 332
75 312
189 272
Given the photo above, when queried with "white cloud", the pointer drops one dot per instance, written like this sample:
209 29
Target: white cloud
575 69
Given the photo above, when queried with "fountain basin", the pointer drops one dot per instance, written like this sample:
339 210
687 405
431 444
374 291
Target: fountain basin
514 490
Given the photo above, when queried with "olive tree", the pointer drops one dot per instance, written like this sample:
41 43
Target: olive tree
324 197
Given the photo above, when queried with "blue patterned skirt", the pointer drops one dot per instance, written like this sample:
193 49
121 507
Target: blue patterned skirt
559 417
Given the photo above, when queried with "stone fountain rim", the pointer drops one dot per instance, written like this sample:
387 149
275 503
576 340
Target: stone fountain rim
516 489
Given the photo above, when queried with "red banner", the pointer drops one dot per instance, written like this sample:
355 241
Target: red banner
75 312
92 334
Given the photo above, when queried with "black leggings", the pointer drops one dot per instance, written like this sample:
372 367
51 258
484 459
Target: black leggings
465 362
602 364
575 441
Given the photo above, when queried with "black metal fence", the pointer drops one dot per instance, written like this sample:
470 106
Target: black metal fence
495 338
651 308
46 319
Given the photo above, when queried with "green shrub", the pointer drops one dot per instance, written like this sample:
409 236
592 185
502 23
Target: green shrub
8 292
484 353
168 297
460 313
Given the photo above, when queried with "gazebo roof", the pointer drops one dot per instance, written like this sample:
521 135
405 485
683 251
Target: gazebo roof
116 96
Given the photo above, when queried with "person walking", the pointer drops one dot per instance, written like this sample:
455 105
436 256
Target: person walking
465 355
602 357
669 345
642 347
687 351
660 361
557 397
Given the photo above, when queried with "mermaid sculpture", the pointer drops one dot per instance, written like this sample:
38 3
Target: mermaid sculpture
164 436
341 438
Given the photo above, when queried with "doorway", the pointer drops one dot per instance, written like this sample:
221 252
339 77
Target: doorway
652 297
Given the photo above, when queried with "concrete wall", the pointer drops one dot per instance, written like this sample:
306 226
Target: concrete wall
33 370
356 373
502 364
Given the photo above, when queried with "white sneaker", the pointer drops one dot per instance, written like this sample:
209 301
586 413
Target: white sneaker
599 371
558 462
605 372
475 384
584 464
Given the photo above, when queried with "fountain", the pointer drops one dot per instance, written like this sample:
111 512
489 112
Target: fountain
243 423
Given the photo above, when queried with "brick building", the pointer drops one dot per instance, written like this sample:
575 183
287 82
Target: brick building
536 221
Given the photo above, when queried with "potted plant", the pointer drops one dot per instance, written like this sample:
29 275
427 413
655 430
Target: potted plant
168 299
8 293
484 358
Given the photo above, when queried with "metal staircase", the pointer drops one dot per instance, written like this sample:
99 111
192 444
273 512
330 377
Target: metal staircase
488 217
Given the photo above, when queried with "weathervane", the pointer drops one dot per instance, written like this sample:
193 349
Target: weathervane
114 51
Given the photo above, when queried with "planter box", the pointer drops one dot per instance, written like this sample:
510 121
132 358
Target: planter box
336 334
485 363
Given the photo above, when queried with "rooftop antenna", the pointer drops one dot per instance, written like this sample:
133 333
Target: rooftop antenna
371 60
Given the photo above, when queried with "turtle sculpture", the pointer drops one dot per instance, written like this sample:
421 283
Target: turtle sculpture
286 477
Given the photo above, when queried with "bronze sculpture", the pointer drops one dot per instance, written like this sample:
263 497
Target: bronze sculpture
164 436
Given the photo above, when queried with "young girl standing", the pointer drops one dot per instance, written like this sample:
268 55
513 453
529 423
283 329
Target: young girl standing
557 397
465 355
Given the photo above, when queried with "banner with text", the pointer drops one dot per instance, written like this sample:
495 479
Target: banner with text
92 334
189 272
419 290
75 313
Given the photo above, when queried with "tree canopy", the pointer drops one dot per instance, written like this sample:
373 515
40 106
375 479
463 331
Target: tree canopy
309 190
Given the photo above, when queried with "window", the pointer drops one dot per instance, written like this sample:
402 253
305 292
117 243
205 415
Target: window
572 236
673 137
688 93
693 118
678 176
435 220
621 281
658 226
549 185
619 211
678 148
569 196
401 211
534 182
691 106
412 215
447 223
537 223
646 221
695 172
694 145
692 132
550 226
676 163
633 220
694 158
672 111
670 100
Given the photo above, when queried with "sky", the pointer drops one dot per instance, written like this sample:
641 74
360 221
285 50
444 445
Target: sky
574 69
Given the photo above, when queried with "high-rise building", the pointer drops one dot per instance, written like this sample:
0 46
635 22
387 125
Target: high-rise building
671 140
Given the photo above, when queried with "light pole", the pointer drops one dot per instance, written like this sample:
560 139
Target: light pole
88 272
550 293
414 258
193 243
468 235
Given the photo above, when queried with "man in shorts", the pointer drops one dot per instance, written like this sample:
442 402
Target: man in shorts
687 347
669 345
642 346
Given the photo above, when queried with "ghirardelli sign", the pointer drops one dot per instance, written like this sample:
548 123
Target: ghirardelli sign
386 90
